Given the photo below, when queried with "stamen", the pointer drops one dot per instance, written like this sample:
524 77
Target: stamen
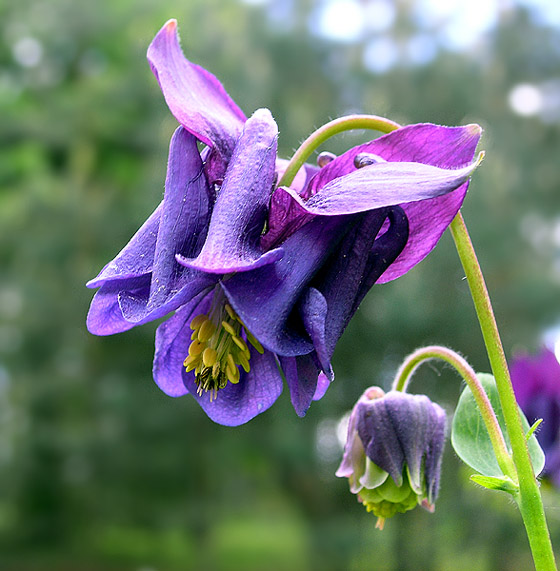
209 357
228 327
206 331
196 348
239 342
198 321
218 348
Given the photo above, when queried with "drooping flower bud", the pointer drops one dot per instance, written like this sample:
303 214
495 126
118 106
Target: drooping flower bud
392 457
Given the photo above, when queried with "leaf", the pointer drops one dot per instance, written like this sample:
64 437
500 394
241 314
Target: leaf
503 484
471 440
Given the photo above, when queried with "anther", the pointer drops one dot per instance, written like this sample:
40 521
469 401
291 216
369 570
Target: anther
198 321
230 311
254 342
206 331
232 374
325 158
240 343
209 357
196 348
244 362
228 328
362 160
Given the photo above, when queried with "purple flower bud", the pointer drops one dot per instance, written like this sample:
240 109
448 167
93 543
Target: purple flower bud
393 452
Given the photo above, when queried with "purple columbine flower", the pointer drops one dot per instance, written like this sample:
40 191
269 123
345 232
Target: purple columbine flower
249 302
392 457
536 382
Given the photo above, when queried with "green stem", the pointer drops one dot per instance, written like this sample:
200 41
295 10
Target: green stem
414 360
325 132
529 498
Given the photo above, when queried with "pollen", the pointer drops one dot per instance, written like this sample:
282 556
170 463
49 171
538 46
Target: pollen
219 348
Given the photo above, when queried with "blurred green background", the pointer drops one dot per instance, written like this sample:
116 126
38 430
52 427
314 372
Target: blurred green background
98 468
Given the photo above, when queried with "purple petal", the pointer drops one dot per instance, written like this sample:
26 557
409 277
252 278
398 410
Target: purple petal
403 429
105 315
173 338
264 298
234 404
427 221
233 242
350 268
136 258
444 147
381 185
379 438
313 310
195 97
347 275
323 383
255 392
285 215
386 249
185 215
301 376
123 303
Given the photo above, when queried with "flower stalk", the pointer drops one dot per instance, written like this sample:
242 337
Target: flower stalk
414 360
327 131
529 498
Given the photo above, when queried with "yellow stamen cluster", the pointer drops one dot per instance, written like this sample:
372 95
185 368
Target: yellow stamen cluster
218 350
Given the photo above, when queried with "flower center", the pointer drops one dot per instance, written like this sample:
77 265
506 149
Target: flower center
219 348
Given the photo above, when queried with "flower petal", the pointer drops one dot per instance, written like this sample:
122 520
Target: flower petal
136 258
265 297
255 392
379 437
183 218
285 215
444 147
235 404
323 383
351 270
383 184
233 242
427 221
173 338
105 315
301 376
195 97
313 310
406 429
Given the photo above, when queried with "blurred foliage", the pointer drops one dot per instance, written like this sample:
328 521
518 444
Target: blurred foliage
98 468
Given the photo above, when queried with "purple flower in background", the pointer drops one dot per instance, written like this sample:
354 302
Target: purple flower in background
263 278
536 382
392 457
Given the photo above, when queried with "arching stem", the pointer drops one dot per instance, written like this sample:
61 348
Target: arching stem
328 130
413 361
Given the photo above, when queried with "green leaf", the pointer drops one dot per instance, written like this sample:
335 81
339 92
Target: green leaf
503 484
471 440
